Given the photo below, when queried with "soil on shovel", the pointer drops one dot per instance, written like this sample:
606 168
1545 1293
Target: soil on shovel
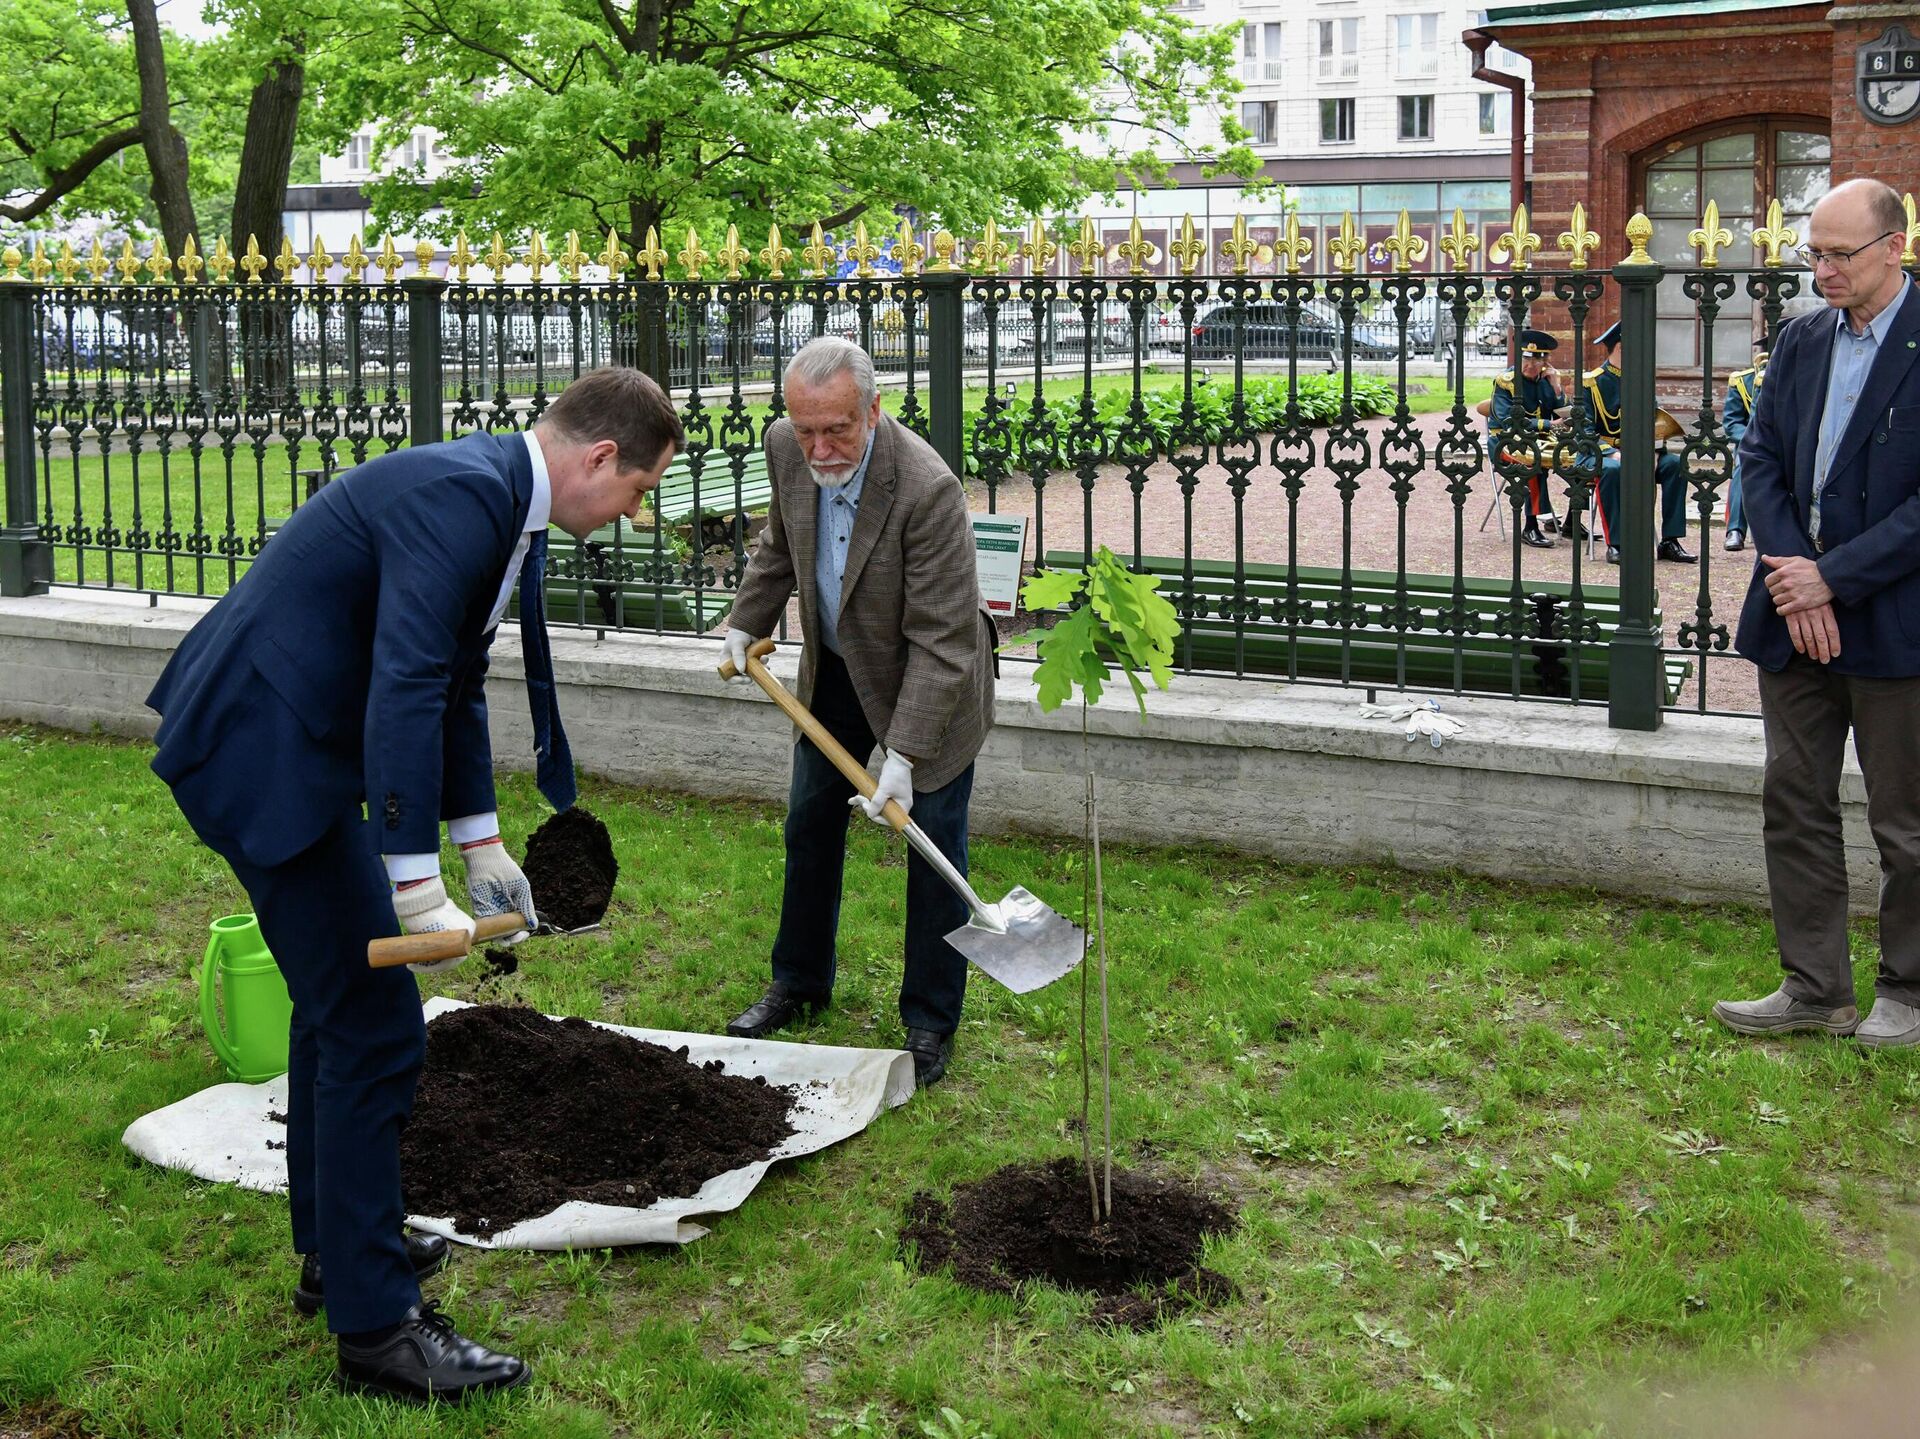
570 865
1033 1221
517 1113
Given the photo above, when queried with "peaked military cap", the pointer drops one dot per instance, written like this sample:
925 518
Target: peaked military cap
1609 336
1537 342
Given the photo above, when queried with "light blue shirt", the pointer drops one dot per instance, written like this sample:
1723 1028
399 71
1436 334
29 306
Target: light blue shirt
839 505
1853 357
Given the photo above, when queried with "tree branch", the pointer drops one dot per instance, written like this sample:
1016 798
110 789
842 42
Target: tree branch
63 182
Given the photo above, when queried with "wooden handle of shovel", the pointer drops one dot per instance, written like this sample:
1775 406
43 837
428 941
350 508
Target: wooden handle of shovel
440 943
854 771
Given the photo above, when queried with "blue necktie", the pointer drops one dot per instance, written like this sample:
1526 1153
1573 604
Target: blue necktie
553 771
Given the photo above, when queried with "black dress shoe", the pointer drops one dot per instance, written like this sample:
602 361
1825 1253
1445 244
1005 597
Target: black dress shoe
1736 539
428 1253
1573 529
1673 550
930 1052
775 1009
1550 524
1532 536
1613 554
424 1359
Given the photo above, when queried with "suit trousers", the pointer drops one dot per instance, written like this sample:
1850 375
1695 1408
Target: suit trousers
804 957
1807 710
358 1042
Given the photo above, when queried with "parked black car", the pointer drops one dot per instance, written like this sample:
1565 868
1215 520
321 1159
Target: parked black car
1264 334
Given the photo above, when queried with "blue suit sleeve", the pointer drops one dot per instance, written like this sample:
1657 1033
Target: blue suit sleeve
1876 558
1765 455
467 753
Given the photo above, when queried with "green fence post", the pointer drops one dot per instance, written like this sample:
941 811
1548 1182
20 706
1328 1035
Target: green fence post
946 287
426 372
1637 689
26 560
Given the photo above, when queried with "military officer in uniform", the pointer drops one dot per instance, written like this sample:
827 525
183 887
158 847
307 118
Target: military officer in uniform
1528 400
1600 403
1743 391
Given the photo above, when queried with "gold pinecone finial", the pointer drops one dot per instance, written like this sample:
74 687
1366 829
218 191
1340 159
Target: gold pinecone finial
10 261
1639 231
946 254
424 254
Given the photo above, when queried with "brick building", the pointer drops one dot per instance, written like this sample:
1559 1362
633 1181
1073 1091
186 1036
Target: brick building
1662 105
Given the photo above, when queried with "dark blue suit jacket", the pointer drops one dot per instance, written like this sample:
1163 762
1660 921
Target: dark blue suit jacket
350 661
1870 510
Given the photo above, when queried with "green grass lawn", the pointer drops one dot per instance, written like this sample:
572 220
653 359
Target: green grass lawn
1492 1164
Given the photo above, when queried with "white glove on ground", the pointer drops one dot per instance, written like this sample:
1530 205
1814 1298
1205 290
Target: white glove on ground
896 782
734 651
1423 717
495 883
422 907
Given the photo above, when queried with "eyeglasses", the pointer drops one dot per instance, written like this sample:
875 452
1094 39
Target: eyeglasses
1837 258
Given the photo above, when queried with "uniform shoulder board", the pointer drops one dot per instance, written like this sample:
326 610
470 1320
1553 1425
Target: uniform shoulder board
1504 381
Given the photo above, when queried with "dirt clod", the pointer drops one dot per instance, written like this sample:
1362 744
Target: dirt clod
517 1113
1033 1221
570 865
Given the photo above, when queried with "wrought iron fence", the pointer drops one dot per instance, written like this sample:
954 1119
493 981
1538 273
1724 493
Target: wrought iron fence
1305 456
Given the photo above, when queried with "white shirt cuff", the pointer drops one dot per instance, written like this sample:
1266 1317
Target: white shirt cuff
473 827
403 867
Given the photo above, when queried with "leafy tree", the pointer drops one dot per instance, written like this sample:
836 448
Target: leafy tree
592 115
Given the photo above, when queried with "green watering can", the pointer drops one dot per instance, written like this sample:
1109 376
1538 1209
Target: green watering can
250 990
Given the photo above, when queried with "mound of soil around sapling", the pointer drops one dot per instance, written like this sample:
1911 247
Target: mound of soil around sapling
517 1113
570 864
1034 1221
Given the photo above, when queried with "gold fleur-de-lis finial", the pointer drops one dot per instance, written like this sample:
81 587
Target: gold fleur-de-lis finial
537 257
424 254
1639 231
776 255
129 264
1237 249
1577 240
1907 255
1407 248
1347 247
65 265
390 263
572 258
1773 237
692 258
319 263
991 253
1459 243
498 257
253 262
1037 250
816 255
353 264
1294 248
462 259
1085 248
1709 238
651 255
732 254
863 252
946 254
38 268
286 262
907 250
190 264
159 263
1137 250
613 257
1187 248
1518 243
220 265
97 262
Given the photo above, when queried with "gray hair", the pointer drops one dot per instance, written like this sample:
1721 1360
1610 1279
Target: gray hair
819 360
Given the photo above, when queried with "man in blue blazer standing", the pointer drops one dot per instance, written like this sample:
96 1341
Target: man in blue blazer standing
348 666
1831 469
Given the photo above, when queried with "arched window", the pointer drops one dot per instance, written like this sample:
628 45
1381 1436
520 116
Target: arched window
1741 165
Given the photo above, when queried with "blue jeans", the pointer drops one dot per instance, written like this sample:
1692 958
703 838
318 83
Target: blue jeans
935 981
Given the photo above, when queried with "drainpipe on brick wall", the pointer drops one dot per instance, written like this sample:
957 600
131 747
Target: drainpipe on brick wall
1479 42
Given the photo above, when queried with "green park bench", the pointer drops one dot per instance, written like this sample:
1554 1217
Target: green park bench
1370 651
581 588
719 501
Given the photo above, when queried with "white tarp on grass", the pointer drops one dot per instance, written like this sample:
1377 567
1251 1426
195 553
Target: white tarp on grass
224 1134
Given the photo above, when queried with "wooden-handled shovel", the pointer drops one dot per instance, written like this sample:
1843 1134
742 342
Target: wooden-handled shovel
441 943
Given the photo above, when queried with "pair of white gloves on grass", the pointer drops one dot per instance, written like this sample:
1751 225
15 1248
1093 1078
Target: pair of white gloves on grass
896 775
495 885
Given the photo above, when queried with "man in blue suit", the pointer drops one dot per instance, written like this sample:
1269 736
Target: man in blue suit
1831 469
349 665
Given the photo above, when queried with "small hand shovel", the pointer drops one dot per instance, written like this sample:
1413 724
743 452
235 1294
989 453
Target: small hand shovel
440 944
1020 942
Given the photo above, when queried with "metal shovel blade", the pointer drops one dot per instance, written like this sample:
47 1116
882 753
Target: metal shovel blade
1039 944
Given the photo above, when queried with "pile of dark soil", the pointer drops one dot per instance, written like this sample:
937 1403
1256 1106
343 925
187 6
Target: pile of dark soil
570 864
1033 1221
517 1113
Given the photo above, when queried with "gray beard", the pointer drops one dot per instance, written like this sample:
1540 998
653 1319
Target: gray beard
826 481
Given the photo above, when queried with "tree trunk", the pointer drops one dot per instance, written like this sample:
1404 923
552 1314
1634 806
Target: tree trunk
166 147
259 201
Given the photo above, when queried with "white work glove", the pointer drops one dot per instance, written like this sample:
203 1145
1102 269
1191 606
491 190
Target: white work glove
1423 717
422 907
896 782
495 883
734 651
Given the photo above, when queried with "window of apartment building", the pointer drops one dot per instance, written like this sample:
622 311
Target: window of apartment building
359 150
1336 122
1261 119
1416 117
1337 49
1260 51
1496 114
417 151
1416 44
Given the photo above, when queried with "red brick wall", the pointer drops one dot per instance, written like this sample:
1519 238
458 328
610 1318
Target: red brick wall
1860 147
